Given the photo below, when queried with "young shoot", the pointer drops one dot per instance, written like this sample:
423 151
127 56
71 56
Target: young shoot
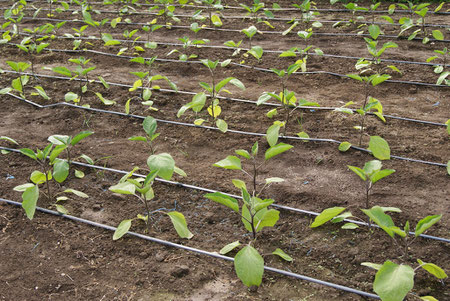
149 126
214 88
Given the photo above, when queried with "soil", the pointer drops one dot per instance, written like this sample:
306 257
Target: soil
52 258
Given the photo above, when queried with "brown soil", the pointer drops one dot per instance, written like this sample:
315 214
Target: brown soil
56 259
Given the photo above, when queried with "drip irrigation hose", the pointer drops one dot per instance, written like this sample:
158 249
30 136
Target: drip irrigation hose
198 251
381 36
223 48
239 65
229 130
277 9
225 98
232 17
199 188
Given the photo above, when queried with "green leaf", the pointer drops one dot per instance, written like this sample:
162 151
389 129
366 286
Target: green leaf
30 197
243 153
344 146
437 34
272 134
60 170
425 223
123 188
429 298
239 184
70 96
61 209
41 92
277 149
77 193
179 222
358 171
379 148
230 162
23 187
383 220
28 152
282 254
374 31
63 71
326 215
149 125
350 226
224 200
274 180
228 248
179 171
5 90
38 177
80 136
9 140
374 266
249 266
215 19
378 175
122 228
79 174
222 125
393 281
433 269
163 163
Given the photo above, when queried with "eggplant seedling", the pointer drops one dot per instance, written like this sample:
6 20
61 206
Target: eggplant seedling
370 174
188 44
161 165
253 211
66 142
149 126
440 69
250 32
30 44
234 45
257 10
52 168
394 281
287 98
214 89
213 9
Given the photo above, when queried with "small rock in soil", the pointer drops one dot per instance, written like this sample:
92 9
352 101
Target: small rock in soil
160 256
180 271
97 207
253 289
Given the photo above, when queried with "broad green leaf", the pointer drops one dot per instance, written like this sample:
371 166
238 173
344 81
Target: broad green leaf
87 159
23 187
28 152
350 226
217 111
378 175
379 148
123 188
249 266
70 96
59 139
5 90
63 71
77 193
239 184
163 163
326 215
61 209
372 166
391 209
425 223
374 31
374 266
243 153
263 98
179 171
437 34
429 298
277 149
433 269
381 219
122 229
272 134
80 136
38 177
79 174
230 162
393 282
30 197
149 125
228 248
179 222
106 102
224 200
222 125
215 19
282 254
268 218
358 171
344 146
41 92
60 170
9 140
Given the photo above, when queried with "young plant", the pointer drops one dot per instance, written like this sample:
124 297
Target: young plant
146 80
214 89
161 165
370 174
257 10
213 9
250 32
66 142
234 45
51 168
30 44
306 13
287 98
79 72
253 211
376 53
166 10
188 44
440 69
393 281
149 126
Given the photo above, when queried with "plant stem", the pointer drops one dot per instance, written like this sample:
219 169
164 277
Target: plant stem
366 96
44 166
255 174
